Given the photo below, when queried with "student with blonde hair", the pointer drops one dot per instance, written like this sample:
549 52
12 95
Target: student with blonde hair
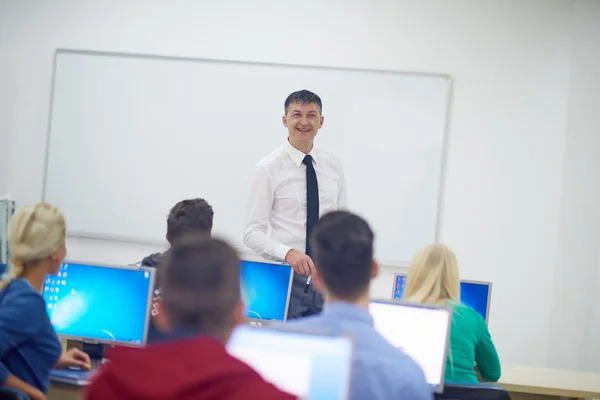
433 279
29 346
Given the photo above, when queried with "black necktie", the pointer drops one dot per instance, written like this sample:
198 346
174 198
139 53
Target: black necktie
312 199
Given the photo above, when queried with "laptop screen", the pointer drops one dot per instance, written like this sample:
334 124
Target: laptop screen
473 294
100 304
266 289
420 331
310 366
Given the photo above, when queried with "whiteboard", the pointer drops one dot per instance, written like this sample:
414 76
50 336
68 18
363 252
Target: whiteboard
130 136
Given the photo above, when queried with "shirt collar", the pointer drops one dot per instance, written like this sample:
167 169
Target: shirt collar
348 311
296 155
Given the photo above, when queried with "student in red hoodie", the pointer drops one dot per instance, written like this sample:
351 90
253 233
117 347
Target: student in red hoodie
200 306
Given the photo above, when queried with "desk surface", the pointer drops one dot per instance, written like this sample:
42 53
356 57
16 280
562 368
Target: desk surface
549 381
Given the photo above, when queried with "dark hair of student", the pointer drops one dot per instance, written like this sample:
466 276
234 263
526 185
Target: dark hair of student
200 280
189 216
342 246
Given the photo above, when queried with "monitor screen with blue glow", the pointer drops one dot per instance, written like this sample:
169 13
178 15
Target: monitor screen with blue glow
307 365
266 289
474 294
100 304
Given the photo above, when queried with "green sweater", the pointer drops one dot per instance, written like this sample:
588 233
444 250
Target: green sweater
470 343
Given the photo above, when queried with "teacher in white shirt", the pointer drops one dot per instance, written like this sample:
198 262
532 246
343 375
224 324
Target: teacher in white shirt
292 187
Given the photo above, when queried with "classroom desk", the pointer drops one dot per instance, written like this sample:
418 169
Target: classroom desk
523 383
62 391
529 383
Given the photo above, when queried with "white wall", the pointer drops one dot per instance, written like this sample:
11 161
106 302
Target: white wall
510 61
591 360
575 280
4 108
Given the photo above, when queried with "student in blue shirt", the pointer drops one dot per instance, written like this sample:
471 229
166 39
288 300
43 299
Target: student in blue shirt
342 246
29 346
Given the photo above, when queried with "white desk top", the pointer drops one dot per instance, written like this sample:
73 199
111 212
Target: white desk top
549 381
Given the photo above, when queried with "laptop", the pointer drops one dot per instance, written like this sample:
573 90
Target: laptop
305 364
420 331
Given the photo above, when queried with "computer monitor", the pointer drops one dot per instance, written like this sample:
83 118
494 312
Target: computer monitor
474 294
100 304
422 332
266 288
307 365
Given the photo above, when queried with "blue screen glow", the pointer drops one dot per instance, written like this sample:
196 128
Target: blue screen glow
99 303
265 288
474 295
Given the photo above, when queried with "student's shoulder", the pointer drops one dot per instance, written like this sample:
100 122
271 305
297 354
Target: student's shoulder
314 323
467 313
19 299
20 293
152 260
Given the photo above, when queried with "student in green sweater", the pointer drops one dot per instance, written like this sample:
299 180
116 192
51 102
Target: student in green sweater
433 279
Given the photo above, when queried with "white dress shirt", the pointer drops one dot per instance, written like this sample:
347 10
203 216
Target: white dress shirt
278 199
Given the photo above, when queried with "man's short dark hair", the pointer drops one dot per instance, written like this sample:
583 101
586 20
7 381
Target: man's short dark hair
303 97
189 216
200 280
342 245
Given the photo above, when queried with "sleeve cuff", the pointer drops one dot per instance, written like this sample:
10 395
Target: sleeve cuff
281 250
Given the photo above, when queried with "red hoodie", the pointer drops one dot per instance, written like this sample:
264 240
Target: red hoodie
191 369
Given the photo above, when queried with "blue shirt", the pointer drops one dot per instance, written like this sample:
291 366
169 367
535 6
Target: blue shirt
380 371
29 347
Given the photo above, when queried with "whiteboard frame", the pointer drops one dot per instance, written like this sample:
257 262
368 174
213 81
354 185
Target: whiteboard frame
126 239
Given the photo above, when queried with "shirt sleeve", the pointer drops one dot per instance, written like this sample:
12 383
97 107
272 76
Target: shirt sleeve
20 320
416 388
258 212
342 190
486 356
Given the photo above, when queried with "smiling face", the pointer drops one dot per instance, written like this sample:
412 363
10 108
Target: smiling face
303 121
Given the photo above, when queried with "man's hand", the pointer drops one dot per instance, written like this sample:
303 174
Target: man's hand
32 392
300 262
74 358
36 395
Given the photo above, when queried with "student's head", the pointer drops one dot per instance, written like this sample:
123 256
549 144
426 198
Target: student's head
36 241
193 216
433 276
303 117
342 245
200 281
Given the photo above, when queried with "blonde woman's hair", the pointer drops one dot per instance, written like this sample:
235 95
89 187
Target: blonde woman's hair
34 233
433 276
